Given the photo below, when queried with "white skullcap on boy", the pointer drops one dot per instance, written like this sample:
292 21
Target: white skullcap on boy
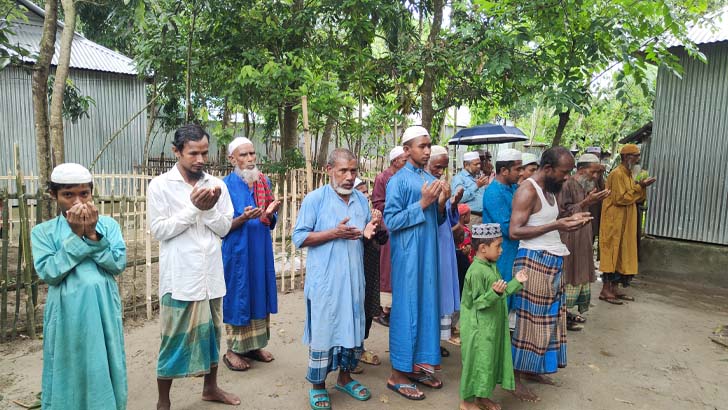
71 173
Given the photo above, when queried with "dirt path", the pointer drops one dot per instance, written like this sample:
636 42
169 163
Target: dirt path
650 354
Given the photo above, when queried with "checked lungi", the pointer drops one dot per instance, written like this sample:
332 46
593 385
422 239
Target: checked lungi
323 362
190 337
539 339
579 296
244 339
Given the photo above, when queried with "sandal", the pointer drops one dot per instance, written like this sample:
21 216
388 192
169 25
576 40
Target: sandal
382 320
625 297
257 356
230 366
371 358
319 396
354 389
444 352
397 388
426 380
454 341
578 319
613 301
573 326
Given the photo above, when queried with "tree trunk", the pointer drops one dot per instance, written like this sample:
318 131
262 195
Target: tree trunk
246 123
289 135
323 152
563 120
188 80
41 70
428 81
151 118
59 85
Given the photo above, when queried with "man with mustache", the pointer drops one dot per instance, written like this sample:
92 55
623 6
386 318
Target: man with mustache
539 338
618 230
247 256
578 195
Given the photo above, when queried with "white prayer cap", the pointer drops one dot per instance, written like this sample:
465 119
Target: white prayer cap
437 150
469 156
414 132
234 144
71 173
587 158
395 152
509 154
529 158
357 182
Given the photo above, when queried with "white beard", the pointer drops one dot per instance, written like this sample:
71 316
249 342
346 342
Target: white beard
340 190
586 183
250 176
636 169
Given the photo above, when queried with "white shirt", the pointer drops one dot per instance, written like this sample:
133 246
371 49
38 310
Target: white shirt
190 254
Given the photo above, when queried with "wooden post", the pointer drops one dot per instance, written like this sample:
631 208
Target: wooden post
136 225
26 255
148 266
294 191
6 275
307 144
284 231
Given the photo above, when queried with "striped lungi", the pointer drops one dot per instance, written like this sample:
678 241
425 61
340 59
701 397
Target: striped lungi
539 340
323 362
254 336
579 296
190 337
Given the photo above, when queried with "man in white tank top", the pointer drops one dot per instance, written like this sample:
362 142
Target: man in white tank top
539 340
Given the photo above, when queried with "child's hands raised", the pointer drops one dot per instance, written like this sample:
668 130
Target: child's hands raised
500 286
522 276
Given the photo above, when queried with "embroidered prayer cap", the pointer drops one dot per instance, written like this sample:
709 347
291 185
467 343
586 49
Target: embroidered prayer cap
395 153
469 156
593 150
463 209
529 159
486 231
358 182
587 158
234 144
630 149
71 173
509 154
413 132
437 150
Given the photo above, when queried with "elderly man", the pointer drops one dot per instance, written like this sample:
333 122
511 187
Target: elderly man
618 230
247 256
473 181
79 254
397 159
188 212
539 339
331 223
415 208
530 165
497 203
578 195
449 282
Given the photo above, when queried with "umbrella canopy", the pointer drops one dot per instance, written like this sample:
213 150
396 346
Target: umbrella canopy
487 134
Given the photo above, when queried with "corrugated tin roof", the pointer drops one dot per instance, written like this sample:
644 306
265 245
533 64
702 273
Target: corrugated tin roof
713 30
85 54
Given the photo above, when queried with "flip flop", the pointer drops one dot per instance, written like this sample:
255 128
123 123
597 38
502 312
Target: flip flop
397 389
578 319
230 366
613 301
423 378
626 297
353 389
319 396
257 356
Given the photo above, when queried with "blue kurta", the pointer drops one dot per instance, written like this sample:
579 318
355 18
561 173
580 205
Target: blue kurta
247 256
415 317
497 204
84 366
334 288
449 283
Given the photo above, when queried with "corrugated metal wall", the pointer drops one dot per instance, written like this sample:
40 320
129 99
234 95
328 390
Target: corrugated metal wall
118 98
689 149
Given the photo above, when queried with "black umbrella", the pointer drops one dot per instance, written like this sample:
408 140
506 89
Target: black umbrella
487 134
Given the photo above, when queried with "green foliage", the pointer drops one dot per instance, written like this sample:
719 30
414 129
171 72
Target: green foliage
75 104
10 53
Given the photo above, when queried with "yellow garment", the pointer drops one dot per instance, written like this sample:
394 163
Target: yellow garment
618 230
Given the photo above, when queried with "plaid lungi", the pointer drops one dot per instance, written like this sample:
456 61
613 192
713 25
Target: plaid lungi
254 336
539 340
190 337
323 362
445 327
579 296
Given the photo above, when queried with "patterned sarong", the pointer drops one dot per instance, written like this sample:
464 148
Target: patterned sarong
190 337
254 336
539 340
579 296
323 362
445 327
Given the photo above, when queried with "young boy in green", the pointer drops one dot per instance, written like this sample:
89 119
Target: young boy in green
486 345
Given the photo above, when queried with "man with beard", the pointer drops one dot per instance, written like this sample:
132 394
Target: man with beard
618 230
397 159
578 195
449 283
188 212
247 256
539 338
331 223
414 210
473 181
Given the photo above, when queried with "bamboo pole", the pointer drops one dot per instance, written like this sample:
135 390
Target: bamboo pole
136 254
121 276
283 231
148 267
25 240
18 280
294 191
5 273
307 144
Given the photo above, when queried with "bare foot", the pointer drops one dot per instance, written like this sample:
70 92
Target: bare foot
260 355
164 406
538 378
221 396
487 404
466 405
524 394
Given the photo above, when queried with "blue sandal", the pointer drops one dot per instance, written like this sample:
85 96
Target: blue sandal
319 396
353 389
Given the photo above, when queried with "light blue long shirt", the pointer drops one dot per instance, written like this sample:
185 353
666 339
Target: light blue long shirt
334 287
84 365
497 204
449 282
472 195
414 335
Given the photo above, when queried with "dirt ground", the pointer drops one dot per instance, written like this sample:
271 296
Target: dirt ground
650 354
